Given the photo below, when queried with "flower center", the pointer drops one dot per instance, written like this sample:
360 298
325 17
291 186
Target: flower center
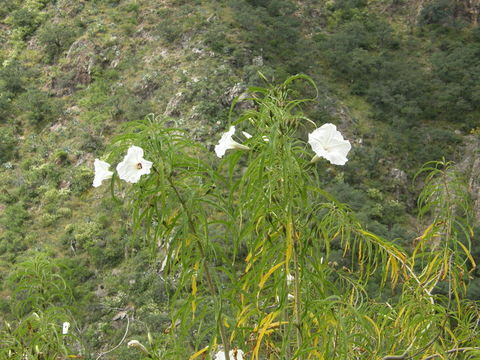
139 166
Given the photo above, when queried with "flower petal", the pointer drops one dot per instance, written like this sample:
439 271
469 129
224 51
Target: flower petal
329 143
226 142
135 152
101 172
133 165
236 354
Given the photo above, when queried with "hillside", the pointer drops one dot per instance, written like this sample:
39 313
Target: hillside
400 79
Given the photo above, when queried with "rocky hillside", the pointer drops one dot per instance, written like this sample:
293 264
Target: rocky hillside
400 78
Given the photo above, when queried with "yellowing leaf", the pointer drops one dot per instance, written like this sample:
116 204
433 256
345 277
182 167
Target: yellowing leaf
198 353
263 326
465 250
288 254
265 277
194 288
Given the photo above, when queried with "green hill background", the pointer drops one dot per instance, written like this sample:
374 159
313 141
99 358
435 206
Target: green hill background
401 79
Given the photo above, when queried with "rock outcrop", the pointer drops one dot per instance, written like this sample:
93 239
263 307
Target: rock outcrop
470 166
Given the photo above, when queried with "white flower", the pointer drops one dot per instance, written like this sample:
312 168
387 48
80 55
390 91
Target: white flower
247 135
226 142
235 354
133 165
66 326
328 143
101 172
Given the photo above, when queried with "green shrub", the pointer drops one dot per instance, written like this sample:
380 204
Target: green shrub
14 216
437 12
12 243
82 180
39 107
61 157
46 173
270 29
55 38
6 7
107 252
169 30
37 336
47 220
64 212
25 22
14 77
5 105
36 284
55 196
8 143
87 234
457 82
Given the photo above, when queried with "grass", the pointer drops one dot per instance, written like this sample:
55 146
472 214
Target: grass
152 43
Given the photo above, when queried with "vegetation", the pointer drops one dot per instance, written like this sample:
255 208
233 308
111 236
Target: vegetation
376 272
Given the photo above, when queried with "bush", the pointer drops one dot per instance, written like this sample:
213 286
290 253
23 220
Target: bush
61 157
37 336
8 142
64 212
55 196
438 12
36 284
24 21
5 105
14 217
13 78
457 79
82 180
169 30
55 39
12 243
45 174
264 28
39 107
345 10
6 7
47 220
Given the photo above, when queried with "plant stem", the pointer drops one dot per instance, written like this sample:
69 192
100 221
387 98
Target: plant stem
452 351
210 283
298 300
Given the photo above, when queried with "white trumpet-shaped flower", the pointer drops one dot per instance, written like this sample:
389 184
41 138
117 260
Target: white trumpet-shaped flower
133 165
65 327
328 142
101 172
226 142
235 354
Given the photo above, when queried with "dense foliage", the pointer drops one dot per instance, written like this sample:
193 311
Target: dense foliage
401 81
